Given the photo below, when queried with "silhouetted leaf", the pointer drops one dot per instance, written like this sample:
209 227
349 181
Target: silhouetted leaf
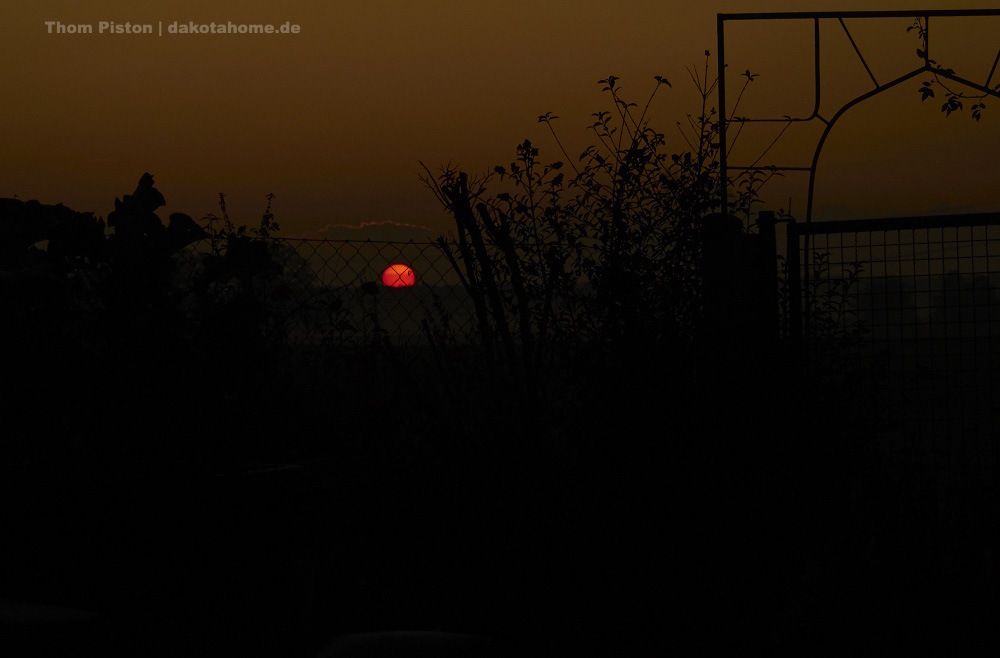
951 105
182 231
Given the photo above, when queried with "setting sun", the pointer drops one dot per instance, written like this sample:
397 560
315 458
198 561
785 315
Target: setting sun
398 276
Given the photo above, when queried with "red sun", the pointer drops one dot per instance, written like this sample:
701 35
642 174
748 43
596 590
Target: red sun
399 276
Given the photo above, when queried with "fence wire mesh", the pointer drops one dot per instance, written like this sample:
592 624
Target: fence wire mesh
332 291
904 311
341 293
912 308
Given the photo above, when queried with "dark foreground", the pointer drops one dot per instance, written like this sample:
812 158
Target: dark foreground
656 504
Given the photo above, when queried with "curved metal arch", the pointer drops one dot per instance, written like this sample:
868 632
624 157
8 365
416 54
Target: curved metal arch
863 97
839 16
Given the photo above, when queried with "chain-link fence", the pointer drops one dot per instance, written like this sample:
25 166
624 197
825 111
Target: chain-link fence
332 291
342 291
336 291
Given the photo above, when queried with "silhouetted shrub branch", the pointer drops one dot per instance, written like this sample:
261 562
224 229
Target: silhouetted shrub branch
608 256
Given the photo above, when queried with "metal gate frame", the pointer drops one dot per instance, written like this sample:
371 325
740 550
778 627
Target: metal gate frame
926 343
929 66
797 313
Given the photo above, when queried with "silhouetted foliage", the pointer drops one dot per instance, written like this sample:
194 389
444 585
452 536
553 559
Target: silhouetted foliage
942 77
606 253
110 304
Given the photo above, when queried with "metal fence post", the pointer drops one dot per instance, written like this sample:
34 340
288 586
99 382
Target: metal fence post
767 254
721 241
793 285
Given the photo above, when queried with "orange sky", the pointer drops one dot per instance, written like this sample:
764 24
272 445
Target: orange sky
334 120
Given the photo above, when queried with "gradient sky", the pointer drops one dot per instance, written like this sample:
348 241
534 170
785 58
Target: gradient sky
335 119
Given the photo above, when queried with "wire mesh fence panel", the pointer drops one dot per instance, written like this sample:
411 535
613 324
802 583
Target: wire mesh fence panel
912 307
